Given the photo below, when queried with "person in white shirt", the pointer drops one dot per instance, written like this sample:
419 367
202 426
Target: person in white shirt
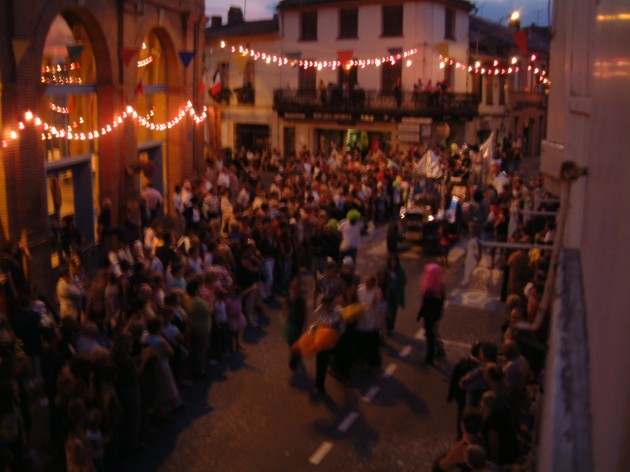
371 323
350 229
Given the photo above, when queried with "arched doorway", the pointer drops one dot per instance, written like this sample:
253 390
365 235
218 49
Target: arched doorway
69 111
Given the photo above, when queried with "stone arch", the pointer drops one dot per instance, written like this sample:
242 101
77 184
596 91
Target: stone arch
72 14
174 75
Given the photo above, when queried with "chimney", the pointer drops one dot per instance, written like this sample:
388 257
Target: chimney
235 15
216 21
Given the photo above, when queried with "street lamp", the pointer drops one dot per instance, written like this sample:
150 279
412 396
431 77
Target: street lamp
515 19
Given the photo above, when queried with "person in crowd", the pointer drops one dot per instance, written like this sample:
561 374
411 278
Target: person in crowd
433 294
472 423
326 314
370 326
199 312
395 282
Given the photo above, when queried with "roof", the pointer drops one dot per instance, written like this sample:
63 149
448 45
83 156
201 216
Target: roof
243 28
292 4
492 38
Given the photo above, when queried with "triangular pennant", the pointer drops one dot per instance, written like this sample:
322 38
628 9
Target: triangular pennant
345 56
127 55
442 49
240 61
521 40
186 57
394 51
201 86
140 88
74 51
19 48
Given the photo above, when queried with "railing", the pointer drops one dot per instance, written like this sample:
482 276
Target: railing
374 101
245 95
528 99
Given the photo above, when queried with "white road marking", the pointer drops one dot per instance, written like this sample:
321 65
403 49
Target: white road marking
347 422
321 452
371 393
389 370
404 352
420 335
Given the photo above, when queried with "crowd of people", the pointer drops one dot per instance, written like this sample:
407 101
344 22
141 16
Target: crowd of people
111 354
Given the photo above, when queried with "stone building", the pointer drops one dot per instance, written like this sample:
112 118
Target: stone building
94 104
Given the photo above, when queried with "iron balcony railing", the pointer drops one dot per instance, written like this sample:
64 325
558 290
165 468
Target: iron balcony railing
376 102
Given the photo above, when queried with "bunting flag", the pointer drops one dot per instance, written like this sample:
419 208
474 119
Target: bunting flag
186 57
127 55
140 88
74 51
201 86
394 51
240 61
345 56
521 40
19 48
442 49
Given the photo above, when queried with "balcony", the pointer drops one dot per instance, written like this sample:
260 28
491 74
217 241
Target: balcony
374 104
245 95
521 100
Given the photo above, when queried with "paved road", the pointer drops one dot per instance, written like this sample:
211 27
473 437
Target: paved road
265 419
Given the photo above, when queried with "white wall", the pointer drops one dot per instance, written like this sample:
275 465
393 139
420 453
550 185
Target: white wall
588 108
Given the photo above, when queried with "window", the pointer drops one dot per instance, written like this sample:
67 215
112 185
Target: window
393 20
449 75
502 87
489 91
348 23
308 24
389 75
307 80
449 23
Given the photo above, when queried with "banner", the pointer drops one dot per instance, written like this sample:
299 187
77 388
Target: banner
186 57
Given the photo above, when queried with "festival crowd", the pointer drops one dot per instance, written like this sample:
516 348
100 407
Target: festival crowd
109 356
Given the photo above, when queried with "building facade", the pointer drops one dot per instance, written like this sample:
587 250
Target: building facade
347 75
92 96
514 93
585 421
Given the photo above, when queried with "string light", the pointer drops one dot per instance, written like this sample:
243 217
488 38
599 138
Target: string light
49 131
60 74
495 69
145 62
59 109
317 64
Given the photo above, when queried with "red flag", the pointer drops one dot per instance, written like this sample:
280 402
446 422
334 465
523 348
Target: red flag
215 87
521 40
140 88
